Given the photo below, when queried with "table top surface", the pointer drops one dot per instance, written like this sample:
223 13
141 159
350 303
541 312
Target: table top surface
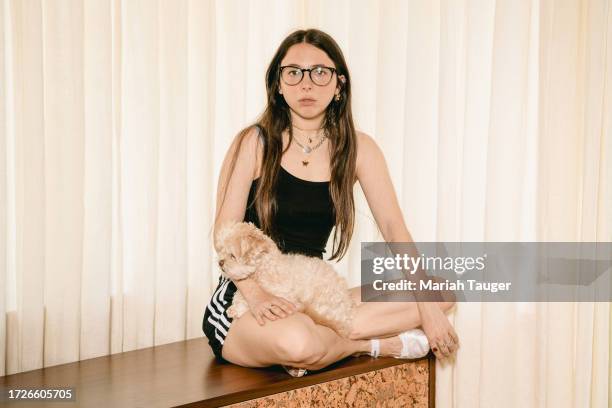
176 374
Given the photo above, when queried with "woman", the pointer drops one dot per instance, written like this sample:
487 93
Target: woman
293 175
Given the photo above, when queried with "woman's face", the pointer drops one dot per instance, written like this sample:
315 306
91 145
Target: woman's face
308 99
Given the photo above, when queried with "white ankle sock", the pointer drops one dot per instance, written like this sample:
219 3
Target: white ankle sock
414 344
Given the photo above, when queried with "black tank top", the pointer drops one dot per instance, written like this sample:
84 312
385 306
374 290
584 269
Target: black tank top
305 214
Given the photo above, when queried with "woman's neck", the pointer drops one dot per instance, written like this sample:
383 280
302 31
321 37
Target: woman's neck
307 124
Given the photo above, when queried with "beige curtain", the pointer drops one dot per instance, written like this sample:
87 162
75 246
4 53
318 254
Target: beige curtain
494 117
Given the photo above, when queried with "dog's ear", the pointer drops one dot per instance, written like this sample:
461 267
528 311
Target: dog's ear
244 247
254 232
265 243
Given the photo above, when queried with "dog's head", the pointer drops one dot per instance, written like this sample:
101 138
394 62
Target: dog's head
241 247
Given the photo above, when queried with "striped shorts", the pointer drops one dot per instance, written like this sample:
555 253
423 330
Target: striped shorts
216 322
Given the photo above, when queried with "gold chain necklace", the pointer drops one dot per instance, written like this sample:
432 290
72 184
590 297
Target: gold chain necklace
303 130
308 149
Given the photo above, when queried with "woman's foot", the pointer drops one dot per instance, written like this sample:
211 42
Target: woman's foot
294 371
409 344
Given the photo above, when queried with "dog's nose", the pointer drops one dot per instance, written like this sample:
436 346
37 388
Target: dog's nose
221 263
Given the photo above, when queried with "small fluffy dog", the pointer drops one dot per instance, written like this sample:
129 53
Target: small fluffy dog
310 283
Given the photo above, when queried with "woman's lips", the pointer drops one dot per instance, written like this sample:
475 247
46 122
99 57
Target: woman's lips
307 101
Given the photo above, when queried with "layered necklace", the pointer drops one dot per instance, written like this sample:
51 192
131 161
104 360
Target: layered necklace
307 149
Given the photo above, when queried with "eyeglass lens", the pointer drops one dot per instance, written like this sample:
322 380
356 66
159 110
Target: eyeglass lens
319 75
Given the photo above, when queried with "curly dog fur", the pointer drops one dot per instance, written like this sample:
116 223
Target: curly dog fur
310 283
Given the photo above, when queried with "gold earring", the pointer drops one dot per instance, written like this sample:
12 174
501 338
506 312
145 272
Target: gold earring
337 97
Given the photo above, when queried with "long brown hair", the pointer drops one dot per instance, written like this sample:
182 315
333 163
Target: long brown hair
339 126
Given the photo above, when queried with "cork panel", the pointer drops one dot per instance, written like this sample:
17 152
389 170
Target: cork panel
404 385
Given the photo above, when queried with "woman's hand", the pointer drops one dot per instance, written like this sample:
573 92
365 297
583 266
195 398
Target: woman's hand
441 335
263 304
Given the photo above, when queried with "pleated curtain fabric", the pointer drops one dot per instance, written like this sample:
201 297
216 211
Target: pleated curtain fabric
495 118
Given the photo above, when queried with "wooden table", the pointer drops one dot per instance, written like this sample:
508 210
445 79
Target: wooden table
186 374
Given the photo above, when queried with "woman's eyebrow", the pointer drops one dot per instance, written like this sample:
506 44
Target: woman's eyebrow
299 66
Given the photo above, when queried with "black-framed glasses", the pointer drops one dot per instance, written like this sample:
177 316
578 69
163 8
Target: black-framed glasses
319 75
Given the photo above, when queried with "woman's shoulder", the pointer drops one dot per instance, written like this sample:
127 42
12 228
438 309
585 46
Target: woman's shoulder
366 146
246 148
247 142
253 134
255 142
365 142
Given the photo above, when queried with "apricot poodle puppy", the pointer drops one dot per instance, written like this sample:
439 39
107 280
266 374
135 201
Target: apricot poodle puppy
310 283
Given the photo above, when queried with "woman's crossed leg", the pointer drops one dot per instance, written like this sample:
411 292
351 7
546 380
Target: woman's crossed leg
297 341
389 318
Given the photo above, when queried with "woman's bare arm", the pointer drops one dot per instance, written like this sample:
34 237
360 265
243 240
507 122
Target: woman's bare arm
233 206
378 189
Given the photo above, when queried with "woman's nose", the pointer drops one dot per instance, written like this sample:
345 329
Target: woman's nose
306 81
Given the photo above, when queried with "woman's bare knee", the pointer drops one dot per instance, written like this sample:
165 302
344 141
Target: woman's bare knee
298 342
290 340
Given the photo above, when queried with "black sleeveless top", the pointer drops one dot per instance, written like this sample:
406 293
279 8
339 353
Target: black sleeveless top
305 214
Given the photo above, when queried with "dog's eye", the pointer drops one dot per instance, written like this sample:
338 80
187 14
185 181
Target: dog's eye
232 256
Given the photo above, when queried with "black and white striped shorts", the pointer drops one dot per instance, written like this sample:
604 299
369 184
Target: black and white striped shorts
216 322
